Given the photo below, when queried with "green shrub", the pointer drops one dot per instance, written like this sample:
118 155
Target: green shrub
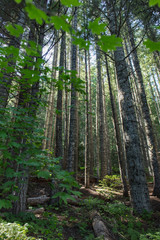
13 231
111 181
153 236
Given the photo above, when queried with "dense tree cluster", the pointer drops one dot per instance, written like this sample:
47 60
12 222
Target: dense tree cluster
79 91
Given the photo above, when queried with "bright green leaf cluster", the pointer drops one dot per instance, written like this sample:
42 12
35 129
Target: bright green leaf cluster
18 1
60 22
14 29
153 46
109 42
35 13
154 2
70 3
96 27
83 44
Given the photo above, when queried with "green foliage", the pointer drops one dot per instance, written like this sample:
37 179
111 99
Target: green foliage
154 2
153 46
60 23
153 236
26 226
14 29
66 183
44 174
13 231
35 13
18 1
5 204
109 42
70 3
111 181
83 44
96 27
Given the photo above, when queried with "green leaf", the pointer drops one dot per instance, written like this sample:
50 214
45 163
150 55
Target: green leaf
9 172
18 1
70 3
5 204
14 29
64 196
96 27
154 2
153 46
109 42
44 174
35 13
60 23
81 42
3 135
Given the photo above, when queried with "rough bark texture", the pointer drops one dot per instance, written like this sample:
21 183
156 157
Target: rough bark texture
59 150
146 116
73 109
38 200
121 155
139 115
136 173
101 118
90 120
49 129
28 101
87 146
99 227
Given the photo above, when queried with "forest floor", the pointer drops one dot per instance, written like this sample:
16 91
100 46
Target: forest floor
72 221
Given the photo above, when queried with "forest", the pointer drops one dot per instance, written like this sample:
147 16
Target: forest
79 119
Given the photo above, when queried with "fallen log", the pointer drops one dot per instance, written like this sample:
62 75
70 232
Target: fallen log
99 227
36 211
38 200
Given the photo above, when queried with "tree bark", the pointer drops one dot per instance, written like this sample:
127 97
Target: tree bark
59 151
146 116
73 109
101 118
121 155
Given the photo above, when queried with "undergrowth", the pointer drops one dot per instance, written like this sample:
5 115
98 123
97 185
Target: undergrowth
119 218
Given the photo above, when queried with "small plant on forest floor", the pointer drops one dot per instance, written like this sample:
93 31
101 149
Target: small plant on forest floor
120 219
111 182
37 228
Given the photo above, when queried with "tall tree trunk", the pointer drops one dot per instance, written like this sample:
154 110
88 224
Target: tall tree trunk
59 151
91 146
101 118
138 111
146 116
106 136
121 155
28 101
49 124
136 173
73 109
87 149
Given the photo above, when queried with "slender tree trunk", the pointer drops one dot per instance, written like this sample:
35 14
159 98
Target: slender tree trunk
59 151
73 109
91 145
101 118
49 124
106 136
87 149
